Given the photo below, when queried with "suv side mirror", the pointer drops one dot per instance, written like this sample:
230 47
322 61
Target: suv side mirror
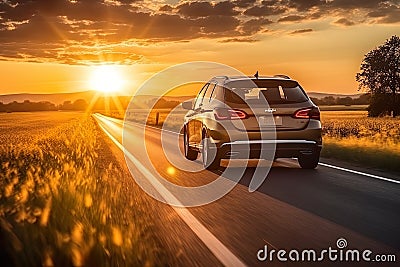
188 104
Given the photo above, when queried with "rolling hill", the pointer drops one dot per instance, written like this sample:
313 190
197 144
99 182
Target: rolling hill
322 95
57 99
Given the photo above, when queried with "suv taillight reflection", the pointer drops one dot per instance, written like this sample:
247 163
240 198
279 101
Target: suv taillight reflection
229 114
307 113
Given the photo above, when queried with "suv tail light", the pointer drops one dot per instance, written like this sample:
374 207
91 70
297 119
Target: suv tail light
229 114
307 113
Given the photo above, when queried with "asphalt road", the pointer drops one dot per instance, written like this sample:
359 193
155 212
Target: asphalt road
293 208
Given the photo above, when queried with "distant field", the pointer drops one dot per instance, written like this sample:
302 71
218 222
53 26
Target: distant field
343 108
63 196
352 136
29 127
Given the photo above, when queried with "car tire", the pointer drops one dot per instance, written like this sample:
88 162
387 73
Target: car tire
309 161
210 157
190 153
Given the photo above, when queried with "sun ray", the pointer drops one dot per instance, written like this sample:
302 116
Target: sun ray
117 103
93 102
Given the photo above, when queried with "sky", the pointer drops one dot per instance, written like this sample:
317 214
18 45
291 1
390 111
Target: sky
56 46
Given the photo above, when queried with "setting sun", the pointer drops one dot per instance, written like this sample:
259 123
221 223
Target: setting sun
106 79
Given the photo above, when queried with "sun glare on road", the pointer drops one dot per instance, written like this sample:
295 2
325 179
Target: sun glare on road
106 79
171 170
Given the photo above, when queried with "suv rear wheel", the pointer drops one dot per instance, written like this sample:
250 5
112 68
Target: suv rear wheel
190 153
211 158
309 161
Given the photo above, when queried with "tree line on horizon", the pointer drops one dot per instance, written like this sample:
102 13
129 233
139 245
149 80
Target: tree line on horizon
77 105
28 106
101 103
363 99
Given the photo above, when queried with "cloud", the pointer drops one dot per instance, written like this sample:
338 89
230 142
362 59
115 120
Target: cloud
205 9
75 54
303 5
44 30
244 3
217 24
344 22
291 18
98 57
253 26
358 3
258 11
166 8
239 40
387 14
301 31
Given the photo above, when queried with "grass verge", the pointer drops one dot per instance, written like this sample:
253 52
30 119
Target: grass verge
358 152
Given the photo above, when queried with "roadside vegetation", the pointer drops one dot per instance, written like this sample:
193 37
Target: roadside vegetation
64 202
352 136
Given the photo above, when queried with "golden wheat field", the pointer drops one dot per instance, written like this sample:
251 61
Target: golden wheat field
351 135
355 128
63 199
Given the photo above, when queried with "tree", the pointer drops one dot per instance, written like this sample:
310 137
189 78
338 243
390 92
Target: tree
329 100
80 104
363 99
380 76
67 105
346 101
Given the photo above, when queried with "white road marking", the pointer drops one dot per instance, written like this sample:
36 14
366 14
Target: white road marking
360 173
221 252
122 122
156 128
294 162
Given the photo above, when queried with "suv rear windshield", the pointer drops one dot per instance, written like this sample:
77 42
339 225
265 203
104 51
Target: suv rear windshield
274 91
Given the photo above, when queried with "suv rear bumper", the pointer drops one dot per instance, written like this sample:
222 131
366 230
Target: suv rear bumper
255 148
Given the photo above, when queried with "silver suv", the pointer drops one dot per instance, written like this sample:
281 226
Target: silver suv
229 118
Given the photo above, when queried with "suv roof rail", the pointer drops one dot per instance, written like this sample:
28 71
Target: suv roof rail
281 76
221 77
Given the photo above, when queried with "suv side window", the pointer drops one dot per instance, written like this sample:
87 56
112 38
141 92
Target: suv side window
219 93
200 96
210 94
